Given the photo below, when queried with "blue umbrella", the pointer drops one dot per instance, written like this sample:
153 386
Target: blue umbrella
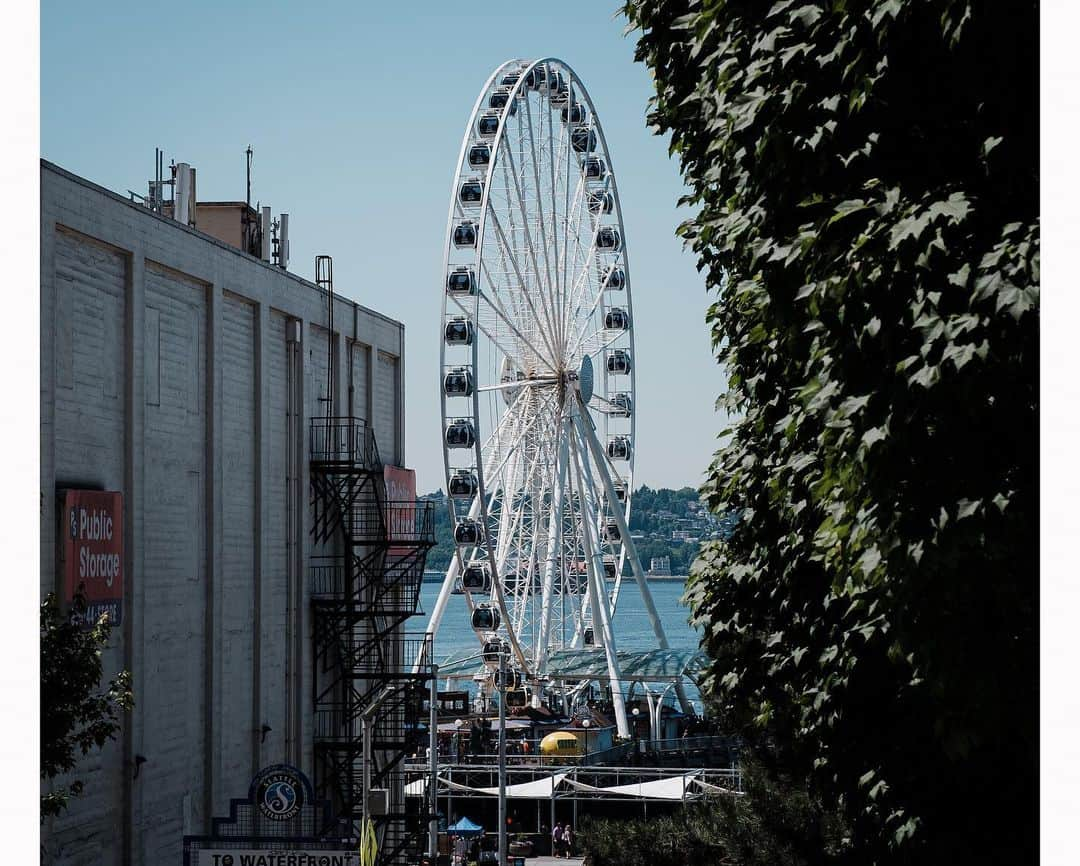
464 827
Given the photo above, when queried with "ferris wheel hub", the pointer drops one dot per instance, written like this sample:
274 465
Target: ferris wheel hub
585 379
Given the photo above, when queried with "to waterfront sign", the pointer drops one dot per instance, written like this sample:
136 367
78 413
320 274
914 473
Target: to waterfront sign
279 823
290 857
92 552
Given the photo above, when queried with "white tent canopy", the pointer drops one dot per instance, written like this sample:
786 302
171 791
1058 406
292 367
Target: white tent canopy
532 790
672 788
681 786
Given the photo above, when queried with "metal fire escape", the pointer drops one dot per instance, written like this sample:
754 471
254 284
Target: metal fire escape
366 670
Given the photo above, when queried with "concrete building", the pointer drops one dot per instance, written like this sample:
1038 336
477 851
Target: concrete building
182 372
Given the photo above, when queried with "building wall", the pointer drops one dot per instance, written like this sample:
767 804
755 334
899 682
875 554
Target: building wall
167 373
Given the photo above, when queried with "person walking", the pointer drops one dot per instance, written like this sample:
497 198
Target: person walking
556 840
461 848
568 841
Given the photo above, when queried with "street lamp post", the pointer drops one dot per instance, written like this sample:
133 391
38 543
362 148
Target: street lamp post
502 759
585 723
433 755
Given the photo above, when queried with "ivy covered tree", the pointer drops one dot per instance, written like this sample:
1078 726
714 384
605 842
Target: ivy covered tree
863 178
76 716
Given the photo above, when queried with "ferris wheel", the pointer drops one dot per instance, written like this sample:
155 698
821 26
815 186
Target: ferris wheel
537 377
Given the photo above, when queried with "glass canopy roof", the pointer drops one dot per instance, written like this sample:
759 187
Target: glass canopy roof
578 664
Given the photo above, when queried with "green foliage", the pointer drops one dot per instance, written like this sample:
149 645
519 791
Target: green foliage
864 183
75 715
688 836
772 823
779 822
438 558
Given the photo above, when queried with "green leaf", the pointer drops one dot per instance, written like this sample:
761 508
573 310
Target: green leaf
846 208
869 561
967 507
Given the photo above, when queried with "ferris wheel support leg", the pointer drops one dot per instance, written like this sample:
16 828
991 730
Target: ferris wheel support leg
440 604
594 567
447 586
589 436
554 536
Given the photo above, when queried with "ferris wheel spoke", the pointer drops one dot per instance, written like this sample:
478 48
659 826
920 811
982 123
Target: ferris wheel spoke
595 342
529 243
583 257
506 350
524 289
597 297
572 313
524 383
540 206
512 443
571 239
548 318
507 257
583 263
581 281
553 157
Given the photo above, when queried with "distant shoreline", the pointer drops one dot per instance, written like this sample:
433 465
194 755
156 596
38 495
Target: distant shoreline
437 577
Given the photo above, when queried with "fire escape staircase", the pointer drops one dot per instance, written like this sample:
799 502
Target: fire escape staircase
364 663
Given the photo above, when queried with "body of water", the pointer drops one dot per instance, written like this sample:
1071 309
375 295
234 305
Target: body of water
632 628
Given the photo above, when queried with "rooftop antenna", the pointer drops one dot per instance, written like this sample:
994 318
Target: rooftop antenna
248 152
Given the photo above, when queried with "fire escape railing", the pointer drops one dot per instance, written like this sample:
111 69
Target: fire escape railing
360 598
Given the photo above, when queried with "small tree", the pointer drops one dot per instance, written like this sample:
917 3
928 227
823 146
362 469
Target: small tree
75 716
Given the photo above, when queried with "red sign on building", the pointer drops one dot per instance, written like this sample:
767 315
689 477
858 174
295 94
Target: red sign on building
401 505
93 551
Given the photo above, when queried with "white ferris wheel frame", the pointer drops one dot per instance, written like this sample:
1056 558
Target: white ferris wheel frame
591 480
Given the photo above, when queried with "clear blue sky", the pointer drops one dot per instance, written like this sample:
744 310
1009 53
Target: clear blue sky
355 112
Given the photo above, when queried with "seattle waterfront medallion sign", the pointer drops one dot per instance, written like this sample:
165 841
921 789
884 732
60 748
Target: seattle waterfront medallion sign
279 793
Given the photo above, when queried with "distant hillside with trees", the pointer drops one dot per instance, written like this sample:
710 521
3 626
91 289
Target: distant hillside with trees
670 523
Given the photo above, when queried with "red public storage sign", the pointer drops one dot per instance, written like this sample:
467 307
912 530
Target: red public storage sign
93 551
401 496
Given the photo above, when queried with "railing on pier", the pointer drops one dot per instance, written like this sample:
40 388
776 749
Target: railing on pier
649 750
576 782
